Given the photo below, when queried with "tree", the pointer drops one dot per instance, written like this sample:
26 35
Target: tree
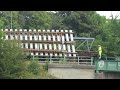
34 19
109 36
114 37
11 59
81 22
40 20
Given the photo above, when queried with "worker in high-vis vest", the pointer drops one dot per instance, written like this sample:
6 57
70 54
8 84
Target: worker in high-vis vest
99 51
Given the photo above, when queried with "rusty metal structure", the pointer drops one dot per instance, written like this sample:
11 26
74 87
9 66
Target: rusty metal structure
50 43
44 42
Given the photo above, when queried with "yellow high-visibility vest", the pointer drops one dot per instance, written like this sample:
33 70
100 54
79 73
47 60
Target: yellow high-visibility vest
99 49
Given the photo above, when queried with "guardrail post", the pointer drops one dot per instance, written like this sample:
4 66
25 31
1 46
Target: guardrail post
78 60
50 59
91 60
106 57
64 56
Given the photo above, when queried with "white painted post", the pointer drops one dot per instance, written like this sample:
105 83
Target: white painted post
35 38
63 38
63 43
73 47
16 35
68 45
6 35
45 45
11 35
50 45
2 30
54 45
91 60
71 35
73 50
64 48
30 37
66 35
78 60
26 44
59 45
21 38
50 59
40 38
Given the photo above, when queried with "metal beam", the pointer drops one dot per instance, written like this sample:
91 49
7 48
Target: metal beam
85 40
92 44
82 38
81 44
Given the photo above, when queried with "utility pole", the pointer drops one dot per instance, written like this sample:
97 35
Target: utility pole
11 20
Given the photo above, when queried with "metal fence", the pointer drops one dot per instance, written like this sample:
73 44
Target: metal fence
66 60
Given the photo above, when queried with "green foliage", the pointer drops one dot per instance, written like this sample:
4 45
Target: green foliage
79 21
25 19
14 66
11 59
84 23
46 67
25 75
34 68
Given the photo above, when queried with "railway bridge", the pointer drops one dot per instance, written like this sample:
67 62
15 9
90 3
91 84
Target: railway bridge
58 48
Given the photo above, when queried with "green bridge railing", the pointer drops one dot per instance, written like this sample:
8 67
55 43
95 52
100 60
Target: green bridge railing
107 65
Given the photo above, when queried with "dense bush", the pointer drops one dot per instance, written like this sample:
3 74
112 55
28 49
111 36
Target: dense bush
14 66
11 59
34 68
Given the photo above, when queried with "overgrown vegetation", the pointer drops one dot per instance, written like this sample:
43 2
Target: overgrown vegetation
14 66
84 23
